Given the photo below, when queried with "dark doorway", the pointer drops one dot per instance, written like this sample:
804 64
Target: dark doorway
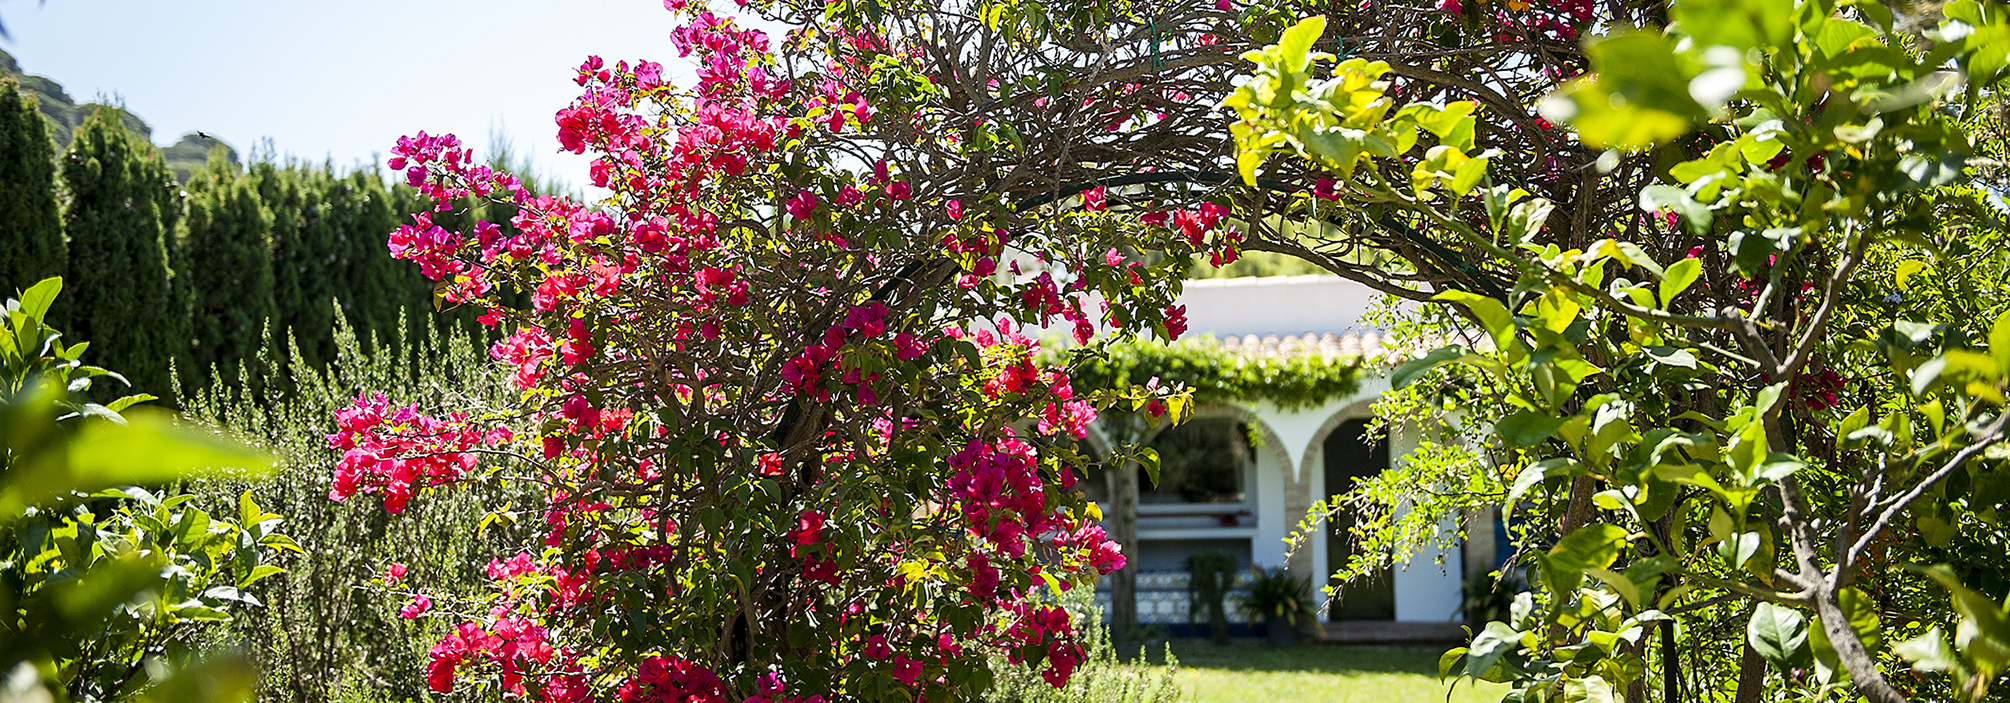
1349 457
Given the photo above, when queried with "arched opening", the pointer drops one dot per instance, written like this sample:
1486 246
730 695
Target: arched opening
1350 457
1204 461
1203 498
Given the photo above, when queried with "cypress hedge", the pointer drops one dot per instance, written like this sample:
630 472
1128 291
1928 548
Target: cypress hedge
31 223
160 273
228 233
123 205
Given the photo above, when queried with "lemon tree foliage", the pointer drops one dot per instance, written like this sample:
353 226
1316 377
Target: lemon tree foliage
1756 446
107 589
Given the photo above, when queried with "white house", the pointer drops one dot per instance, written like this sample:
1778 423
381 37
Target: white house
1248 505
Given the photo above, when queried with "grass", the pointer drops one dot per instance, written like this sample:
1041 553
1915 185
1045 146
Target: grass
1317 673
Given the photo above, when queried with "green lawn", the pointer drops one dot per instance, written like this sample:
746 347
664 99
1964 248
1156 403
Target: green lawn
1316 673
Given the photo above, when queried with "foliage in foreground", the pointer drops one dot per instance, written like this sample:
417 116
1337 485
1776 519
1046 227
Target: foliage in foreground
1745 447
108 590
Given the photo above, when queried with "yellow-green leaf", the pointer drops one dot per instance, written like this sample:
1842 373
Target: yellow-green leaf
1677 278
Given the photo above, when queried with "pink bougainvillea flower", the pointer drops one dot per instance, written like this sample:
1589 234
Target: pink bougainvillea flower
809 528
1175 321
905 669
394 574
803 205
1324 189
419 605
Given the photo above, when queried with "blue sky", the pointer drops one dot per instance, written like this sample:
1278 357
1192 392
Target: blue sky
339 79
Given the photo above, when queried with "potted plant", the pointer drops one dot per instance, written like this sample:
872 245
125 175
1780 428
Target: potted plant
1282 601
1210 573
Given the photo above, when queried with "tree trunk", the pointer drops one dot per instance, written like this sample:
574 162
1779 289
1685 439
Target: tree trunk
1123 527
1751 676
1671 664
1579 511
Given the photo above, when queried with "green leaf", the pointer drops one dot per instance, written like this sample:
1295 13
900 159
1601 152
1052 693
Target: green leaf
1413 369
1296 46
1492 643
1593 546
248 512
1149 459
1740 548
258 573
1679 276
1619 584
1779 465
1671 356
106 584
1862 614
1769 396
1525 219
1999 342
150 449
1639 98
1927 374
191 532
1590 689
229 678
1741 24
1929 652
1751 250
120 405
1984 631
1491 313
1248 158
1469 174
1931 170
1535 473
1778 633
1968 11
1837 36
1527 428
1448 660
1448 122
36 300
1914 334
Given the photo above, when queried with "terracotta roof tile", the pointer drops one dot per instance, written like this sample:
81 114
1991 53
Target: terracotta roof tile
1369 345
1364 344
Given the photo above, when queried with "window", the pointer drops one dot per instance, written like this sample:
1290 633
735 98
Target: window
1204 461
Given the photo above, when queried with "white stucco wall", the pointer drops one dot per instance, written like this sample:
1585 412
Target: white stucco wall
1274 305
1426 589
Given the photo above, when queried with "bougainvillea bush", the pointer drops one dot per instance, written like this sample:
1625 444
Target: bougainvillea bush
781 403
